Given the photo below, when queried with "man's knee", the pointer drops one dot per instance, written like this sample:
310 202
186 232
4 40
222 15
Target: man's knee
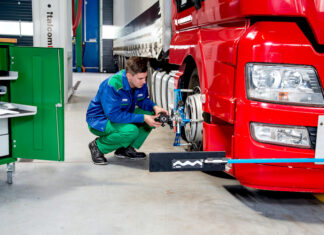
141 111
130 131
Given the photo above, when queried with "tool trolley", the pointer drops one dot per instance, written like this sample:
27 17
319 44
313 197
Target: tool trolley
31 104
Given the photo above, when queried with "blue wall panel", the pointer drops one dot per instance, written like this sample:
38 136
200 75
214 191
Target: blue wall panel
15 10
91 36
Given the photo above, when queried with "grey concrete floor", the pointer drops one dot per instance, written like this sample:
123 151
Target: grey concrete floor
78 197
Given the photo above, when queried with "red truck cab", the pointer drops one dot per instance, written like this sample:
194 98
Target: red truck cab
261 69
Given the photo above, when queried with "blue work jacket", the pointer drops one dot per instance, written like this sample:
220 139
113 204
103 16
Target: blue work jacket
115 101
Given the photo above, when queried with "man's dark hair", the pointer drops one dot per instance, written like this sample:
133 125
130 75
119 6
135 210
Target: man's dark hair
136 65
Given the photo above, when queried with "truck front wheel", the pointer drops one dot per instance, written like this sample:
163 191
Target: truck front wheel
193 110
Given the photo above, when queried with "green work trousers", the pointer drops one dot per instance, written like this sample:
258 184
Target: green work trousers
117 135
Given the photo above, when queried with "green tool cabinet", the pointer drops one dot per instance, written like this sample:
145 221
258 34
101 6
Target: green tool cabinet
32 104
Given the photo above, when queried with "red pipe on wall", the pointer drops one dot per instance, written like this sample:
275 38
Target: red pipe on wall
76 21
73 12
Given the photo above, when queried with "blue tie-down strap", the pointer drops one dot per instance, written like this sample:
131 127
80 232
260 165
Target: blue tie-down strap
263 160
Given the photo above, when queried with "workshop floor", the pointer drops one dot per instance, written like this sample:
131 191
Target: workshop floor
78 197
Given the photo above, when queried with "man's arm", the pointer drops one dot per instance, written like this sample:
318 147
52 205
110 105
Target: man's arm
111 104
146 103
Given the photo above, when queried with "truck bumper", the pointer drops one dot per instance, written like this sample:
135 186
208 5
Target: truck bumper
288 176
278 178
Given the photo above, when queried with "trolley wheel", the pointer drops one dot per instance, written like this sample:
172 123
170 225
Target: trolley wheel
10 172
9 177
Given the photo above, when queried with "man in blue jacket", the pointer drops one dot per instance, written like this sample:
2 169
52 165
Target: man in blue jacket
113 117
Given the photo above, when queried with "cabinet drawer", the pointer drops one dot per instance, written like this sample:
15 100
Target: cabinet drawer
4 145
3 126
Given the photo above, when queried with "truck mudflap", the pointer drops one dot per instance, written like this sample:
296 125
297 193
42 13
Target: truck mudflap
186 161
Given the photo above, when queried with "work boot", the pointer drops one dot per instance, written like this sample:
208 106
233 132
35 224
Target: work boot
129 153
97 156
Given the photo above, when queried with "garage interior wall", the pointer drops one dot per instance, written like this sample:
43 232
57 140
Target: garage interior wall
107 44
21 10
14 10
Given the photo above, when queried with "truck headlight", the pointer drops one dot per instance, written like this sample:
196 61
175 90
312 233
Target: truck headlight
294 136
295 84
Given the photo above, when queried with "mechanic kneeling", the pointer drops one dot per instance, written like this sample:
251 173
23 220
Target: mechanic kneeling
112 115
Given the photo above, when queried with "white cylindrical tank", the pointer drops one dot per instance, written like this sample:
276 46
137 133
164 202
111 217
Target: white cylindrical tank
170 91
152 83
157 87
164 91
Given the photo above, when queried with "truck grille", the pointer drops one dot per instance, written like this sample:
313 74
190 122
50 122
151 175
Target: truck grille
312 134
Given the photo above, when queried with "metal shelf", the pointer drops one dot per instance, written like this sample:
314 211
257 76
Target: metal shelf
10 110
12 76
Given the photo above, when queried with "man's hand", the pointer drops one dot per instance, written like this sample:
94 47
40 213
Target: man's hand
150 120
158 110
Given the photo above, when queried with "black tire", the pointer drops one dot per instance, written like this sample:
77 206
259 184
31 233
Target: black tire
194 83
119 63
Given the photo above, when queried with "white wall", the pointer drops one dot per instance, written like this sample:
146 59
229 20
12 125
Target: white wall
60 27
127 10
